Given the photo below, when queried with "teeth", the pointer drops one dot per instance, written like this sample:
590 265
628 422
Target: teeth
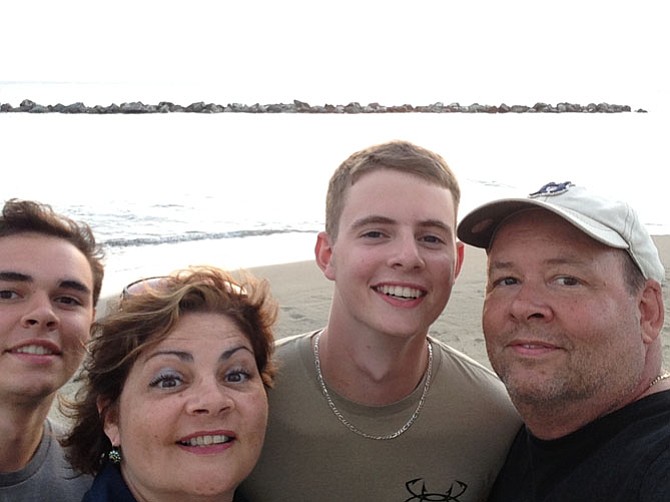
206 440
400 291
34 349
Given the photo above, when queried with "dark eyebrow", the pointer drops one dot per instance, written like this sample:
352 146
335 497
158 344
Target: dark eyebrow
76 285
15 276
11 276
188 357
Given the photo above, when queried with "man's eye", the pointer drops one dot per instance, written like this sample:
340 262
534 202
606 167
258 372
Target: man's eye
433 239
505 281
374 234
69 300
8 294
567 281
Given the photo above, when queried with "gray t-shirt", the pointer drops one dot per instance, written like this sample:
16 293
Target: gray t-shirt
47 477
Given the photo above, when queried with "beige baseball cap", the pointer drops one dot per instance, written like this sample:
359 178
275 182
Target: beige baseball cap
612 222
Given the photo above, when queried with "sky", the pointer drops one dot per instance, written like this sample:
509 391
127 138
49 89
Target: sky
391 52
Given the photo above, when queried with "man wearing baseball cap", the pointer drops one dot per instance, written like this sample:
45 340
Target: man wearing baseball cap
572 319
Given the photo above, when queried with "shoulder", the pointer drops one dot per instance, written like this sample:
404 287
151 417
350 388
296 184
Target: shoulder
648 436
292 348
460 375
288 343
655 485
109 486
295 361
457 360
47 472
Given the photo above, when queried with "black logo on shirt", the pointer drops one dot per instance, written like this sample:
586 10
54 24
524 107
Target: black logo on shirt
417 488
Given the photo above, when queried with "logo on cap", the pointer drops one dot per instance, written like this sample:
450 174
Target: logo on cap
552 189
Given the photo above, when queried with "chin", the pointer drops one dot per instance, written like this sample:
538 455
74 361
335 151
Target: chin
203 484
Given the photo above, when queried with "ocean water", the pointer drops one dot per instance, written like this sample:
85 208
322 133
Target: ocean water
239 190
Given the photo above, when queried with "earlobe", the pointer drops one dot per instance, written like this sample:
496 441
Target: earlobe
652 311
109 415
323 251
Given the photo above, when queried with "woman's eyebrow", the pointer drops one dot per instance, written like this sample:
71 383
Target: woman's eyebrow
188 357
229 353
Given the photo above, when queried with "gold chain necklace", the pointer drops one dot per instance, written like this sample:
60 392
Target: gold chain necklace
659 378
352 427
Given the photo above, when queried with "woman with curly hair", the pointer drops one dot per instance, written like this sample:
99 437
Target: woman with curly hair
174 403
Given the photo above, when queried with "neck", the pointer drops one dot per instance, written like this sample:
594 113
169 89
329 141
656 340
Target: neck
20 434
373 372
552 420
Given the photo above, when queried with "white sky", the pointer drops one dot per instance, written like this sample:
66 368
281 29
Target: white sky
390 51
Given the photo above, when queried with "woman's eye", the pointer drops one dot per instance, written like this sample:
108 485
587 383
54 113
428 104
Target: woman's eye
166 381
238 376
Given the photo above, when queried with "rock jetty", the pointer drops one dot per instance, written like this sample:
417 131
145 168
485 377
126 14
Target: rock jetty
136 107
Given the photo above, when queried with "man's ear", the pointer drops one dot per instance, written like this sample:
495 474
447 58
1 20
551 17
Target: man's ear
652 311
323 251
460 256
110 420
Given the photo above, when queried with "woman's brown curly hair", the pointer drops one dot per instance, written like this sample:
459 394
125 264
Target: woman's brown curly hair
141 320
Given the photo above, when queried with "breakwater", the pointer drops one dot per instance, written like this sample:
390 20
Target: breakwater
137 107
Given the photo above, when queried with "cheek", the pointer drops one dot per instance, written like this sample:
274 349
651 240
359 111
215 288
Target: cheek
255 408
141 436
141 417
78 330
491 317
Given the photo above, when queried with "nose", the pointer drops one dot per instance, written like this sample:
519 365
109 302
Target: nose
406 253
40 313
529 303
209 397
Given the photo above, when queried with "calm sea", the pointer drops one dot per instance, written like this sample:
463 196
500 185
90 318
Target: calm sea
238 190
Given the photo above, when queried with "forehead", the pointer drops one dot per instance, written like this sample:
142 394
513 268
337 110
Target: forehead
534 227
204 328
43 255
390 187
